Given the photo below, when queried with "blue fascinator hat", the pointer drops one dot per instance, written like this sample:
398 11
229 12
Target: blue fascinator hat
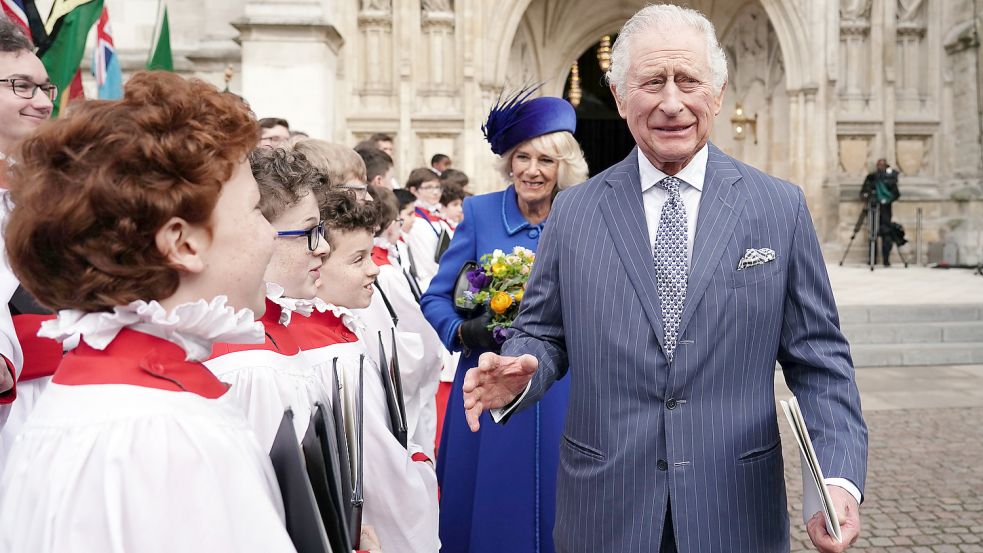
515 119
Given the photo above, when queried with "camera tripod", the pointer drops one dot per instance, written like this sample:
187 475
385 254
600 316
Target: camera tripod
872 215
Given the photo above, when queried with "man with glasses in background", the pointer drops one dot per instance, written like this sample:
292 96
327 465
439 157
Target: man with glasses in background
26 95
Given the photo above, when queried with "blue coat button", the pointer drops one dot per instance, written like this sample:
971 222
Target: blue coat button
534 233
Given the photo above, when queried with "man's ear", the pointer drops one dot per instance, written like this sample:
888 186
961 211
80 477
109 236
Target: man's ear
183 244
617 100
719 100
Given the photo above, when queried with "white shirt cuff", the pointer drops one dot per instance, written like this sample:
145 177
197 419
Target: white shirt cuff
498 414
846 485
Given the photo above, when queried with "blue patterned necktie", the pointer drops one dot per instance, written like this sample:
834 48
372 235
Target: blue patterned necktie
671 263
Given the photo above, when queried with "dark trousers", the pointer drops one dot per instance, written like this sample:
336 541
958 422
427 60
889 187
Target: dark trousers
885 232
668 536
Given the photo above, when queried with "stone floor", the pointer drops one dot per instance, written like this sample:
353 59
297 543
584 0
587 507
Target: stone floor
924 490
896 285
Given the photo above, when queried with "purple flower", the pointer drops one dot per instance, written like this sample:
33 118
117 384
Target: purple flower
478 279
500 333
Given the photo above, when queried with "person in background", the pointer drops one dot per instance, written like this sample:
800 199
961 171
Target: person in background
452 200
138 220
455 177
343 168
440 163
275 132
428 222
378 167
881 187
384 142
25 102
498 486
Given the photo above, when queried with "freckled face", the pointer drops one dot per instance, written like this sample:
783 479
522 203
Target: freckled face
669 102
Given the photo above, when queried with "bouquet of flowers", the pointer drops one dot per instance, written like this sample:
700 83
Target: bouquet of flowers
498 283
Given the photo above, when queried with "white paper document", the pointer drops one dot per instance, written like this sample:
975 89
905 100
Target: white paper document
815 494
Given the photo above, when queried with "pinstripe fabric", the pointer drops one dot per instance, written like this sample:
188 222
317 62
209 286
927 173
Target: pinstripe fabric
592 303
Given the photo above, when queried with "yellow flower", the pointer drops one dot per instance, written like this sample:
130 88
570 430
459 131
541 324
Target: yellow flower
499 269
500 302
518 295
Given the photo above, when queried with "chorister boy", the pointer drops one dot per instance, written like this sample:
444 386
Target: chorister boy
400 487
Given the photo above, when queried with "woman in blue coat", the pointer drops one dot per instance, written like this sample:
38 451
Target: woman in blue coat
498 486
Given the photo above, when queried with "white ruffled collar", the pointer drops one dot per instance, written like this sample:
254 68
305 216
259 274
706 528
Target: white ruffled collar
193 326
289 306
381 242
351 321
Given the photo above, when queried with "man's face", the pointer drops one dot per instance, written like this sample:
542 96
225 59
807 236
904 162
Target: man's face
881 165
442 165
669 101
385 146
274 137
19 117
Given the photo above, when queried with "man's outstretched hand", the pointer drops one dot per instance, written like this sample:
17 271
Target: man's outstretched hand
494 383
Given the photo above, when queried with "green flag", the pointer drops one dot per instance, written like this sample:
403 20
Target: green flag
160 56
68 26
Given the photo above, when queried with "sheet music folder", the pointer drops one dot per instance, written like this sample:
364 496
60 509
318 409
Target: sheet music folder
815 493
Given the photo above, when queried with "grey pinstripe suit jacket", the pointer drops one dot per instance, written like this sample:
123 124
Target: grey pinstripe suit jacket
592 305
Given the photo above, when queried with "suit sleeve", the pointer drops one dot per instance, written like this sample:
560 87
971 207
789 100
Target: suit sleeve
816 361
437 302
538 330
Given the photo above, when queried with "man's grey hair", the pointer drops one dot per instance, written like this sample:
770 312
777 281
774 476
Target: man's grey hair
12 38
665 16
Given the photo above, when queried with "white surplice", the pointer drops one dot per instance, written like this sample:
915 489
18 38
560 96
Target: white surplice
126 467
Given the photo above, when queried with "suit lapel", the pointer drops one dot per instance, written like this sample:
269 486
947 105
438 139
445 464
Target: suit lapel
623 211
721 204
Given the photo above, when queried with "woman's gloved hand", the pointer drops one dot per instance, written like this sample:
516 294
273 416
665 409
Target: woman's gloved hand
474 334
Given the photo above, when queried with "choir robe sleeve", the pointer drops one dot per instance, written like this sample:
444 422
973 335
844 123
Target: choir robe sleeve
400 493
421 371
422 241
256 390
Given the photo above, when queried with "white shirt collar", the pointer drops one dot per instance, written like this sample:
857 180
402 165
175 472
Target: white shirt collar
693 174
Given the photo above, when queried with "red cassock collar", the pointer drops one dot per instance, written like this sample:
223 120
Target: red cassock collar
320 330
278 337
425 213
138 359
380 256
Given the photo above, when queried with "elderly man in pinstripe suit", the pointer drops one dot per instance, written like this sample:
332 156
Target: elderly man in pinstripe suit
668 286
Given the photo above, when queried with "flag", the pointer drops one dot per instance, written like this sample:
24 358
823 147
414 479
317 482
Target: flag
67 27
105 63
160 50
25 14
14 10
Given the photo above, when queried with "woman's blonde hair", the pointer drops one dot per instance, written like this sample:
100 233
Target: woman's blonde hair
340 164
561 146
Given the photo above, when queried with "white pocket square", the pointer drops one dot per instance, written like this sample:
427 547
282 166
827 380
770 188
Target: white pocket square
755 256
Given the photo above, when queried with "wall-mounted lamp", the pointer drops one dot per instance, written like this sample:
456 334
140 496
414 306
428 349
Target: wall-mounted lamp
744 125
604 53
575 93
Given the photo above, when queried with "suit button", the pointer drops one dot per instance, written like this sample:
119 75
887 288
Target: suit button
671 403
662 465
534 233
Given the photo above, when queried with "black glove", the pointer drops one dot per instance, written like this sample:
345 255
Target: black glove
474 334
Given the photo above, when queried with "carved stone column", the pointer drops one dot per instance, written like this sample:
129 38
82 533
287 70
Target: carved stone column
439 59
289 62
374 71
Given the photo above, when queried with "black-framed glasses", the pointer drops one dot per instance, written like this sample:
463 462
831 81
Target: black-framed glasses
313 234
26 89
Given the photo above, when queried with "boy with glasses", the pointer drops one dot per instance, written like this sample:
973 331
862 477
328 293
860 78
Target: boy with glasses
429 224
25 102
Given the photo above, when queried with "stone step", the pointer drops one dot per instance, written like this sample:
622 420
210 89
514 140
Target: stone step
902 355
914 333
857 314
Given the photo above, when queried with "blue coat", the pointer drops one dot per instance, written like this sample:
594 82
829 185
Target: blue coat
699 433
498 486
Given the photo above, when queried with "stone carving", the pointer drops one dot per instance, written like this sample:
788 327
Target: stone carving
854 152
855 10
912 152
431 6
911 11
377 5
